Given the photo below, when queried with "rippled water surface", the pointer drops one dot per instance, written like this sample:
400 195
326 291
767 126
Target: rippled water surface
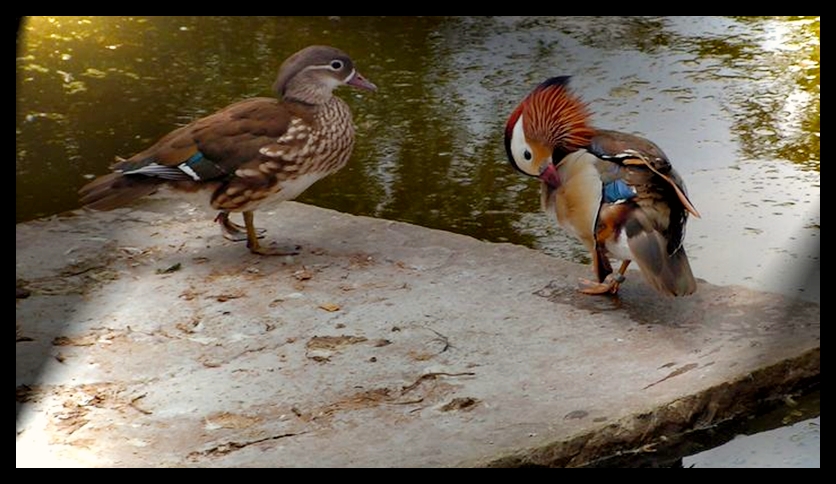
734 102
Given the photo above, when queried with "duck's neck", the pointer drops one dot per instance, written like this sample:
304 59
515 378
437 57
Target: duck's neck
302 90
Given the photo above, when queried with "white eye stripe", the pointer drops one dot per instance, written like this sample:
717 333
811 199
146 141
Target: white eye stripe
523 156
350 76
518 144
329 68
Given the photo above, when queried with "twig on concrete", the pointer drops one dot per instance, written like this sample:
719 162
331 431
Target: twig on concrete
441 338
433 376
133 405
228 447
677 372
409 402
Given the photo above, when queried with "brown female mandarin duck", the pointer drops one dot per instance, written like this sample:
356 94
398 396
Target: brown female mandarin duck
253 153
616 192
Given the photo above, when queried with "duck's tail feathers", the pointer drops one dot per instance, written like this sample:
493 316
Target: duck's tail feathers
115 190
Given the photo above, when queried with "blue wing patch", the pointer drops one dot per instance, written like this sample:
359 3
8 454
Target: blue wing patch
201 168
618 190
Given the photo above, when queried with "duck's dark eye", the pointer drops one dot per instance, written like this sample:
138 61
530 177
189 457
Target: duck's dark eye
336 65
527 155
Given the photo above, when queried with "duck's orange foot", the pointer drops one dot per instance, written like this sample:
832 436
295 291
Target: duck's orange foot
610 285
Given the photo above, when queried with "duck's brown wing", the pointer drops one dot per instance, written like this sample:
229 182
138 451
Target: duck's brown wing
209 150
215 146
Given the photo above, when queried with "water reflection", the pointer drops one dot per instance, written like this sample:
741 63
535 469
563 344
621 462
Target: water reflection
715 92
776 114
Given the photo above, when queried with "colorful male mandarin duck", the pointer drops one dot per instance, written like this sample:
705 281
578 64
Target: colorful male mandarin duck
253 153
616 192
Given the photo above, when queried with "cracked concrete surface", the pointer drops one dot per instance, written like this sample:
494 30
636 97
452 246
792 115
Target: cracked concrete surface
149 340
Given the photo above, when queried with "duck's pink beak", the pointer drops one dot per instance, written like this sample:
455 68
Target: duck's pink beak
357 80
549 176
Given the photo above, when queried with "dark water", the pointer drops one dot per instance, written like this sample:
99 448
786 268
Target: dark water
734 102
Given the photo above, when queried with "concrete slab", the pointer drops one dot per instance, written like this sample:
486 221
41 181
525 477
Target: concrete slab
149 340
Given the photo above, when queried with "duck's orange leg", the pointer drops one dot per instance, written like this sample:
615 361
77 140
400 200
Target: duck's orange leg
256 248
610 283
